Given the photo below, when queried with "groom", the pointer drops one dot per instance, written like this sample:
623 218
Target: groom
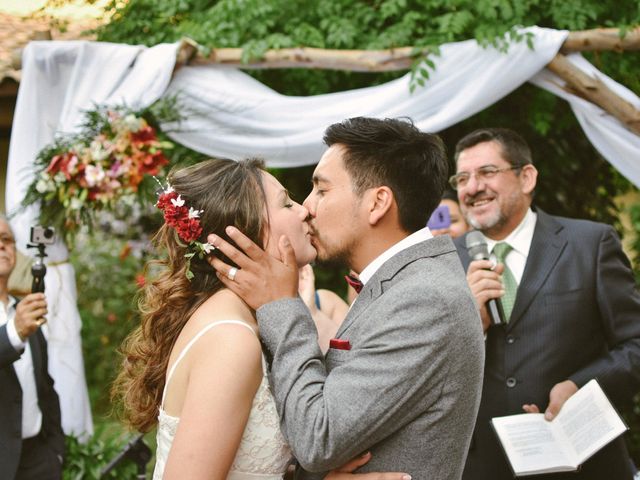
402 378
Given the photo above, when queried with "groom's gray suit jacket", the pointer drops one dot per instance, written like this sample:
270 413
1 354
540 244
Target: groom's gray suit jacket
408 390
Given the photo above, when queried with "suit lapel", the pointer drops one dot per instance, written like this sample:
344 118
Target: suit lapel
546 246
376 285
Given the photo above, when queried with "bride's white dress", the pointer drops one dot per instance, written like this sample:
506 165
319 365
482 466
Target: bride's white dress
263 453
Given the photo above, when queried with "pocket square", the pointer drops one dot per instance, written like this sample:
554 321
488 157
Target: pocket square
339 344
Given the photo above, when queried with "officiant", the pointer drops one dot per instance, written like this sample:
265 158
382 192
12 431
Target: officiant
571 309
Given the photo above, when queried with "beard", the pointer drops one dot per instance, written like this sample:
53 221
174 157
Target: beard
496 219
336 255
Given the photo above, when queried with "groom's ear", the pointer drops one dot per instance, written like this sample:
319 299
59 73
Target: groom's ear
381 201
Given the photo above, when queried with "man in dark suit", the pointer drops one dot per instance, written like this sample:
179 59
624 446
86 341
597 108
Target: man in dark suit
31 438
572 309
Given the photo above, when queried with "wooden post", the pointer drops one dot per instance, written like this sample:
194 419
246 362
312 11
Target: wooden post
595 91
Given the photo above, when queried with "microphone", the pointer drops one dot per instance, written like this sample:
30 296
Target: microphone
478 250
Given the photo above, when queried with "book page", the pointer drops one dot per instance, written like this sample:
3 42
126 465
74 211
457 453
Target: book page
589 421
531 444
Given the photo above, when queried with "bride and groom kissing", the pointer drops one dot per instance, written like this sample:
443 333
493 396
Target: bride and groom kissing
227 361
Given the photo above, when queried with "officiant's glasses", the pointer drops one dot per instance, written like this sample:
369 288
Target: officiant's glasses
482 174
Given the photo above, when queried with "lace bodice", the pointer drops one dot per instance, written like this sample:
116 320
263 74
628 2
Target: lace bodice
262 454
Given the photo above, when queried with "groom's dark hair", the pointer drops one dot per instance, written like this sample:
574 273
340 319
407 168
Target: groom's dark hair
394 153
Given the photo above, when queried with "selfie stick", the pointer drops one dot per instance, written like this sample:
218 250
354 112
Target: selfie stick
38 269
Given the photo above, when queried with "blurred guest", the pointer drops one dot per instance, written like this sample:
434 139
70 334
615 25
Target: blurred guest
571 308
31 438
457 224
327 308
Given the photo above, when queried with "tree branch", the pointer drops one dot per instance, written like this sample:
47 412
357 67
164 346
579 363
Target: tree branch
396 59
595 91
601 39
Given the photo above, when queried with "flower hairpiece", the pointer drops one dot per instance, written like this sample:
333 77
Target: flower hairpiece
185 221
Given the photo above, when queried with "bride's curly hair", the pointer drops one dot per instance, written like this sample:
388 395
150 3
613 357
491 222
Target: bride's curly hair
228 193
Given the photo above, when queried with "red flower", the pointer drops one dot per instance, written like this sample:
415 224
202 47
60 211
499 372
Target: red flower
144 135
152 163
173 214
189 229
140 280
164 200
177 216
59 163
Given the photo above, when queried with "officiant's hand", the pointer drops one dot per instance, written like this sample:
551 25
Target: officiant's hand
485 284
260 278
560 393
345 472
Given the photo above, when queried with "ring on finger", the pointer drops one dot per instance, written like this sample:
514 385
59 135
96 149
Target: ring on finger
231 275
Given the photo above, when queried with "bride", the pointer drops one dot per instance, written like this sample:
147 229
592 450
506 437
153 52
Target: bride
195 365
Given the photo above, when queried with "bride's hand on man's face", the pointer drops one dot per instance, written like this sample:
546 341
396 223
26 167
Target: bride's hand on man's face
345 472
260 278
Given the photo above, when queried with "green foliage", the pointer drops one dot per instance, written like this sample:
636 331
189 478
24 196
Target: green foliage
108 314
85 461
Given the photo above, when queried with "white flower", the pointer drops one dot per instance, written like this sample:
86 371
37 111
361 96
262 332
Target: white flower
94 175
193 213
98 153
128 200
76 204
44 185
59 178
169 189
177 202
207 248
132 122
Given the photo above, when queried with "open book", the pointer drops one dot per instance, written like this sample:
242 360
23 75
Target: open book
586 423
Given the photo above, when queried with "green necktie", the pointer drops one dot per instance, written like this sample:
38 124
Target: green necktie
501 250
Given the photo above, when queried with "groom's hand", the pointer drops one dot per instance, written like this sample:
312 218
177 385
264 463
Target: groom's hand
260 278
345 472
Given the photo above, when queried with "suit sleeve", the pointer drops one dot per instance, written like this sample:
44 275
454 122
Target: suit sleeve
393 373
8 354
618 369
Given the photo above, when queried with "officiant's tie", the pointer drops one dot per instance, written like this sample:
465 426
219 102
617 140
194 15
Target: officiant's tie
501 250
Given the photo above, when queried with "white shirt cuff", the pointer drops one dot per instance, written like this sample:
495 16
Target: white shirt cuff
14 338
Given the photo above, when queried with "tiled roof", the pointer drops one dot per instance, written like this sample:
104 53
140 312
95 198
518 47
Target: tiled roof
16 32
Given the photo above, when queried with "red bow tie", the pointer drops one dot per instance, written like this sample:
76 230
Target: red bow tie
354 282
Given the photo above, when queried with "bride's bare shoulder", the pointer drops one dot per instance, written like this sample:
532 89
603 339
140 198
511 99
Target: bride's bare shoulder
223 305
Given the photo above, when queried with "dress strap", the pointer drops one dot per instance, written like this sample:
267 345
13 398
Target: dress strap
195 338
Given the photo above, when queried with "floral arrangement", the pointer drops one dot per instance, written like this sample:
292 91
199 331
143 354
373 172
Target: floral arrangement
186 223
99 169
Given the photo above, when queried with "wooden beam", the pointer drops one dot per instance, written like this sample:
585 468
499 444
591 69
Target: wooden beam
602 39
395 59
595 91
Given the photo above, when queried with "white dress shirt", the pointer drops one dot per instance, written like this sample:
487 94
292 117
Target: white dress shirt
520 241
31 413
416 237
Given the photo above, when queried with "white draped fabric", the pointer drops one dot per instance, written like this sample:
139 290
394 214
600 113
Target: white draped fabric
59 81
231 114
239 117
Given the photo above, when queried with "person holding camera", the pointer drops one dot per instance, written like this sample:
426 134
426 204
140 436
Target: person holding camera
31 437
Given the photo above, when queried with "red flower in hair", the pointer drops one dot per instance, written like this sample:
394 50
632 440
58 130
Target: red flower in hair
186 222
189 229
